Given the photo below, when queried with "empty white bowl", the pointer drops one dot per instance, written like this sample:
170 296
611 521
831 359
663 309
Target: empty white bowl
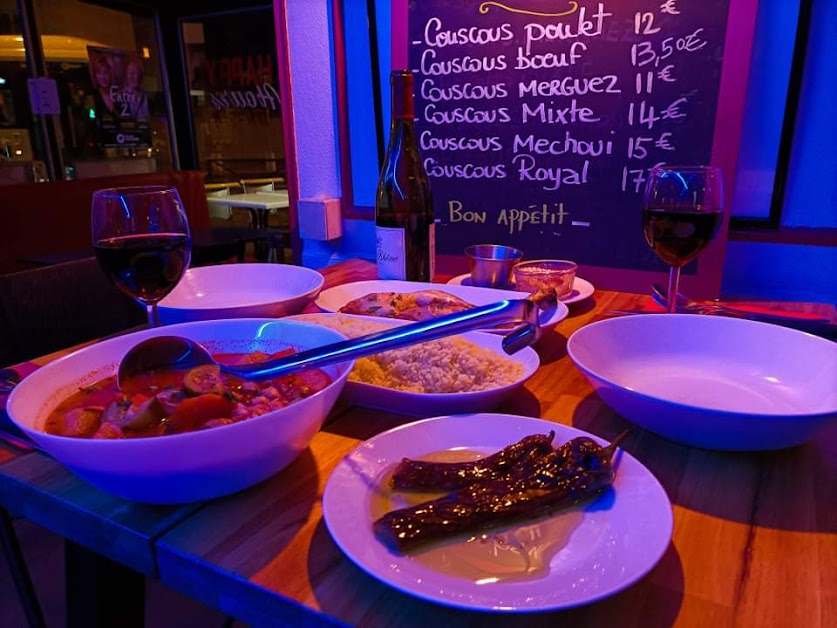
240 291
711 381
186 467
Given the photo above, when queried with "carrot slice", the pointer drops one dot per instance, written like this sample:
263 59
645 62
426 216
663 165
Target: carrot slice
282 353
191 413
234 359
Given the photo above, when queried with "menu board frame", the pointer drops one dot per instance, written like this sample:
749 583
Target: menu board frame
705 281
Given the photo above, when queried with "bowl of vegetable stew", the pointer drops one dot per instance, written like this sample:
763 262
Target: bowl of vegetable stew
180 436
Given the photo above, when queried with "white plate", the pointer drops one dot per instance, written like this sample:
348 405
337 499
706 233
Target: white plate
240 291
333 299
582 288
432 404
621 537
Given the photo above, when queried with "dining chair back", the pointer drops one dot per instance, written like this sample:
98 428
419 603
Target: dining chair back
250 187
223 189
55 307
8 344
219 211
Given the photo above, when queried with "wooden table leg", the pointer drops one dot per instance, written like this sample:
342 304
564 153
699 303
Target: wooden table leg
101 592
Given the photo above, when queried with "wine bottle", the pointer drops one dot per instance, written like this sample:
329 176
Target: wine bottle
405 232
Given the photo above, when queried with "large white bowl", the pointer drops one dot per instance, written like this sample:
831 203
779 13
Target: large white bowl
240 291
711 381
181 467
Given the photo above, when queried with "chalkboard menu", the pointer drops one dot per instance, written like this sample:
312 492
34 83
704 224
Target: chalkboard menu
539 120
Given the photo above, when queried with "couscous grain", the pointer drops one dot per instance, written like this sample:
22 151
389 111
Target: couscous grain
448 365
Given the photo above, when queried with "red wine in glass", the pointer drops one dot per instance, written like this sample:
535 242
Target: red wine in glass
678 234
147 267
141 239
682 213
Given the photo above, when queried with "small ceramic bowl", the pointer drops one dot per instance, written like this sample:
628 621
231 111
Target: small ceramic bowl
538 274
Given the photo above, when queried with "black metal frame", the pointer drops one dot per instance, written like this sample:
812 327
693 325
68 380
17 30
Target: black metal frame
377 97
783 157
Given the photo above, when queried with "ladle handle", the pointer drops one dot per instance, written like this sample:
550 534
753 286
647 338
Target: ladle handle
508 311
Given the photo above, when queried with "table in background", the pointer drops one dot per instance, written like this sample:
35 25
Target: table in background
260 204
753 544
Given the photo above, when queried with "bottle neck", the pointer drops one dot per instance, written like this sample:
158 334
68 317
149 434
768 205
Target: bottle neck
402 96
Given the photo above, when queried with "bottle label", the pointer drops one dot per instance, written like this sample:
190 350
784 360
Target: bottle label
391 252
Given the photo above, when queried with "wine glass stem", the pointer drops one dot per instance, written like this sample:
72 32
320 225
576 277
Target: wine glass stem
153 320
673 285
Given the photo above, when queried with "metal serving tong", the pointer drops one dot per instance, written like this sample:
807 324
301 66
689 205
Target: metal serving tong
176 352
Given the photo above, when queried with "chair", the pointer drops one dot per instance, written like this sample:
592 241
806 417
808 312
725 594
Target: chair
43 310
58 306
221 211
230 186
251 187
8 344
54 217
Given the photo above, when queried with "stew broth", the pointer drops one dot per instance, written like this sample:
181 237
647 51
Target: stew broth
177 401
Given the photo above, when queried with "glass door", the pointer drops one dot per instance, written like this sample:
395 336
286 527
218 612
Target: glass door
234 96
21 157
113 115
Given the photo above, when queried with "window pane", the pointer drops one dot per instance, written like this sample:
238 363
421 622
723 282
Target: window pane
234 90
765 109
19 152
811 197
101 141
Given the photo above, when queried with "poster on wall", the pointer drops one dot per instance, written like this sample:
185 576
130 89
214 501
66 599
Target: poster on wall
121 102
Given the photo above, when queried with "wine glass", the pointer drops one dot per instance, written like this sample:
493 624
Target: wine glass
683 210
141 239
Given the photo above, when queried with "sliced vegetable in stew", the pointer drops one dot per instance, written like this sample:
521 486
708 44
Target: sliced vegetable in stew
177 401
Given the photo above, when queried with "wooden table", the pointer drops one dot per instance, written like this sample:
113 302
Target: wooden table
754 538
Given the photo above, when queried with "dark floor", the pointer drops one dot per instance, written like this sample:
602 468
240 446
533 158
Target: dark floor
44 554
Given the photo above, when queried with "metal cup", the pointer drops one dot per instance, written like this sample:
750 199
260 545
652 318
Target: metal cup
491 265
